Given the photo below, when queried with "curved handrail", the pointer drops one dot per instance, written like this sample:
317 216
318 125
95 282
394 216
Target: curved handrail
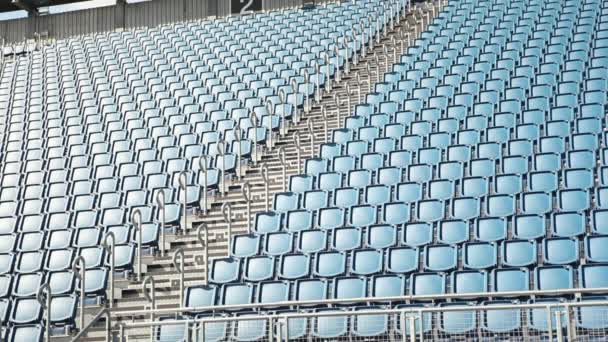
227 214
136 219
204 241
179 263
109 244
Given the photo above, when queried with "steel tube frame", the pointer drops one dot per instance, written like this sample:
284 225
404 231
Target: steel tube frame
110 247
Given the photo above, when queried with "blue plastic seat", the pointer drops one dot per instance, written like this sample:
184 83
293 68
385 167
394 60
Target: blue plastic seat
427 284
553 277
568 224
510 279
469 282
560 251
224 270
294 266
329 264
345 239
593 276
518 253
349 287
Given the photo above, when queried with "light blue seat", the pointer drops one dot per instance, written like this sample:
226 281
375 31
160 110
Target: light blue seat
518 253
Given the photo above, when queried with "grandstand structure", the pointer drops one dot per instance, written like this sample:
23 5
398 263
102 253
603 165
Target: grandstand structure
362 171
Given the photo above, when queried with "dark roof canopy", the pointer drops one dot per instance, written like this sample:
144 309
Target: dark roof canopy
30 5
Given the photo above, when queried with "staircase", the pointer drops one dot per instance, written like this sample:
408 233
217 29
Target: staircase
161 268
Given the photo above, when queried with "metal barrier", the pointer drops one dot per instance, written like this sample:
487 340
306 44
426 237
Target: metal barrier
552 321
160 202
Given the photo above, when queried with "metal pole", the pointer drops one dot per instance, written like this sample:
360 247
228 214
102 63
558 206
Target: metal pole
220 147
227 213
346 57
338 104
79 268
109 243
43 296
282 98
204 241
202 163
307 103
402 320
294 85
348 102
246 189
237 135
281 154
179 264
337 77
325 124
317 81
160 202
312 139
254 123
136 220
558 323
270 109
549 323
108 326
328 71
183 184
151 298
266 180
296 142
413 329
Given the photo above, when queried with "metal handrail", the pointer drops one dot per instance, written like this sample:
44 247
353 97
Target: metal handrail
283 161
294 85
43 296
403 313
179 263
246 190
237 139
270 110
202 163
183 184
254 123
160 202
204 241
227 214
136 219
151 298
110 247
312 138
296 142
365 300
266 179
79 268
325 125
283 100
221 151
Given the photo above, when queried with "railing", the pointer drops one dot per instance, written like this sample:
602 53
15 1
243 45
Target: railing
553 321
